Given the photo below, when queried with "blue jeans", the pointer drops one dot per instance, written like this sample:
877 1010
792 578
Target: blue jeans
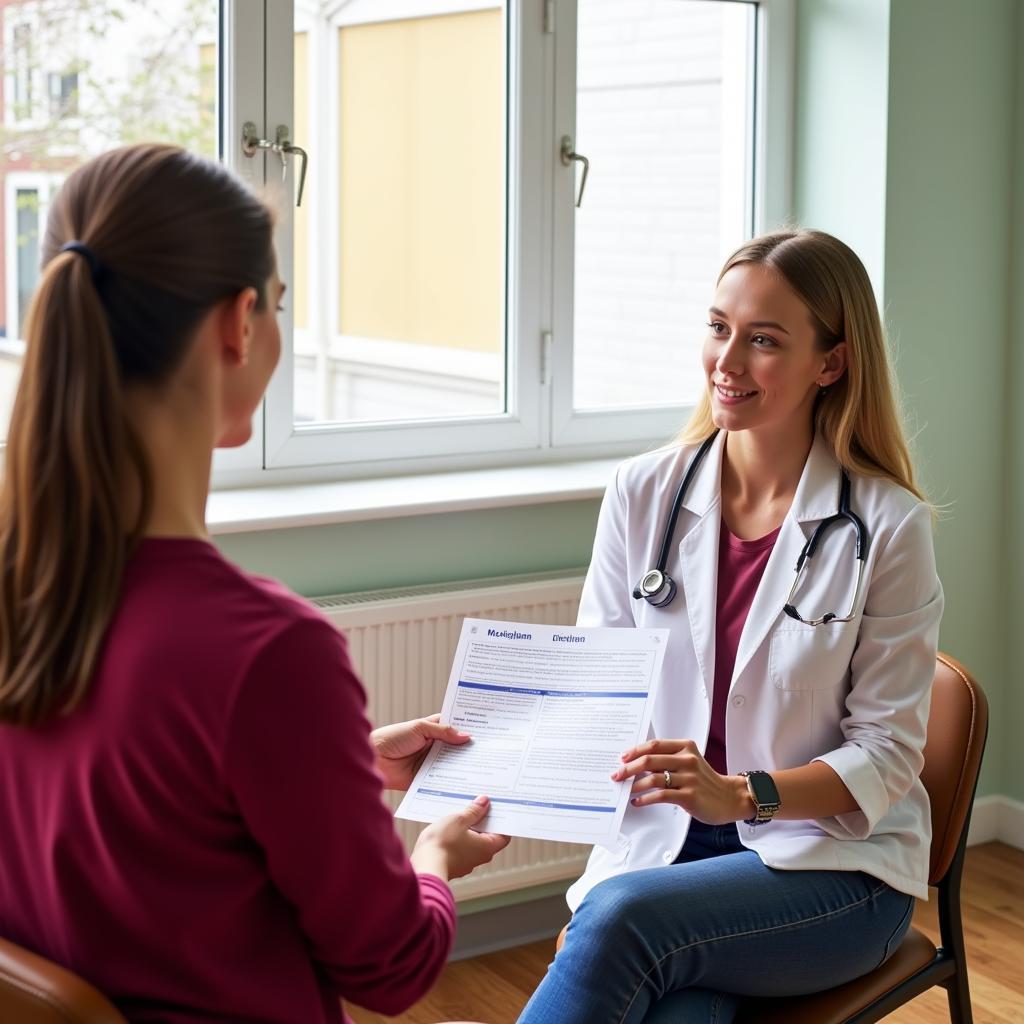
684 943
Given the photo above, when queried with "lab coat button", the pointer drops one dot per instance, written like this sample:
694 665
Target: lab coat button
739 700
667 857
703 692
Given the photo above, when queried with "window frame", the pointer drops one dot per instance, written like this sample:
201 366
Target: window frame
569 424
355 449
540 425
43 183
768 202
241 98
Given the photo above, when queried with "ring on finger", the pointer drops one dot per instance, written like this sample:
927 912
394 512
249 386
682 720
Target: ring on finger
668 779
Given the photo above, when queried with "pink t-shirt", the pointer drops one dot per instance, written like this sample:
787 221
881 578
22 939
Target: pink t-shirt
741 565
204 839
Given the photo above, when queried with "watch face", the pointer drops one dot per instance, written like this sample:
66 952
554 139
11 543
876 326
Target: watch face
763 785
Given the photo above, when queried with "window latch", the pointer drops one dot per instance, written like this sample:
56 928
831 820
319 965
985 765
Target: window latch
252 143
568 156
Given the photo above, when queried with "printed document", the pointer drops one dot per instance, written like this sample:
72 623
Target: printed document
550 710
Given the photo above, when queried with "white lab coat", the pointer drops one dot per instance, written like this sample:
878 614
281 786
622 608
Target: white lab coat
854 695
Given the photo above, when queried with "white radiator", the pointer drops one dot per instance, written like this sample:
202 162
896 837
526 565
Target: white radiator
402 642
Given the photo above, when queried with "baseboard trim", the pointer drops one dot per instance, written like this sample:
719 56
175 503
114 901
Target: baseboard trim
997 819
514 925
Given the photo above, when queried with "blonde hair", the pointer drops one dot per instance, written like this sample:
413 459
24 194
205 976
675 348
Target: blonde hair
857 415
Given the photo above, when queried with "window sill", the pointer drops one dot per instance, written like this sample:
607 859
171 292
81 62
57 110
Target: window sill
351 501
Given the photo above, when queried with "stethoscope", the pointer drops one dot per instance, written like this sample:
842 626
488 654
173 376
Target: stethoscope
658 588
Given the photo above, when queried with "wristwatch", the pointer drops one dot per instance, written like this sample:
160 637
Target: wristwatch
763 791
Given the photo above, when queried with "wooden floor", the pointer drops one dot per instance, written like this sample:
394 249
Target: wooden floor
493 989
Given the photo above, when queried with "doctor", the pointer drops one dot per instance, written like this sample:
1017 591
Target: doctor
800 875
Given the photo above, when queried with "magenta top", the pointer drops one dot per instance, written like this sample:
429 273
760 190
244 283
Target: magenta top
204 838
741 565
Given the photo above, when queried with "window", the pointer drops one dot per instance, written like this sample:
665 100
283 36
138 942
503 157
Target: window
399 270
81 78
38 40
664 110
404 318
449 304
26 200
63 94
22 77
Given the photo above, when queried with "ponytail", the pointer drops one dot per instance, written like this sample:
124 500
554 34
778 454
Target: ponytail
77 488
62 529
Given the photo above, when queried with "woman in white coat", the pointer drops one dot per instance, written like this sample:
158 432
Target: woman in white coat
800 875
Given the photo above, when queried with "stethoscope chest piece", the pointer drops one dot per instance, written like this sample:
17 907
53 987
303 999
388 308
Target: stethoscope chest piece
656 587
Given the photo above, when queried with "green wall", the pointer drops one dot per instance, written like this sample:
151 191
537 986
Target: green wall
947 290
420 549
905 147
935 110
1013 721
840 138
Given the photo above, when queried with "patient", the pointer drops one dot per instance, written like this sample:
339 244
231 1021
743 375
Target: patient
190 790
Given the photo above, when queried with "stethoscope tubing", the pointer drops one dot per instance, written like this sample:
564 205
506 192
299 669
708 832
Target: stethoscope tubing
665 591
677 504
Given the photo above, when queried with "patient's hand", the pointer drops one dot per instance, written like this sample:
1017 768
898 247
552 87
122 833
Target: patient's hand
401 747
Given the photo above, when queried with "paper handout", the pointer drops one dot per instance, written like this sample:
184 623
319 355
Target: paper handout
550 709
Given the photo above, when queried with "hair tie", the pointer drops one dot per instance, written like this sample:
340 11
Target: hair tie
95 268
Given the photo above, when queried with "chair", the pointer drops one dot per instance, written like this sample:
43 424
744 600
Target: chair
34 990
957 729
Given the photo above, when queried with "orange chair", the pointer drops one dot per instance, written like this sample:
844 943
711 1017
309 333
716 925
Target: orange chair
957 729
35 991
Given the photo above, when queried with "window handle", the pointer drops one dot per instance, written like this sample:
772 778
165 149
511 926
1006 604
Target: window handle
251 143
568 156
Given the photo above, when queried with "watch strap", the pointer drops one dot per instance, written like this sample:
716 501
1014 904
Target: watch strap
765 794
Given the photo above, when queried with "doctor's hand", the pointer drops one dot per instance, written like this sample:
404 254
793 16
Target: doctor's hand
401 747
692 783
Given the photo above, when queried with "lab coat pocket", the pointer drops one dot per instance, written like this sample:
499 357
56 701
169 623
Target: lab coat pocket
811 657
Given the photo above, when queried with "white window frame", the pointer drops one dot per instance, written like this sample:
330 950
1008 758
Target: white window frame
540 425
241 98
43 183
348 449
770 50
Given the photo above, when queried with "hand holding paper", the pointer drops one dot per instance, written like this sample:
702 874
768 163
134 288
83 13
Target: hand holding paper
451 847
696 786
550 710
400 748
